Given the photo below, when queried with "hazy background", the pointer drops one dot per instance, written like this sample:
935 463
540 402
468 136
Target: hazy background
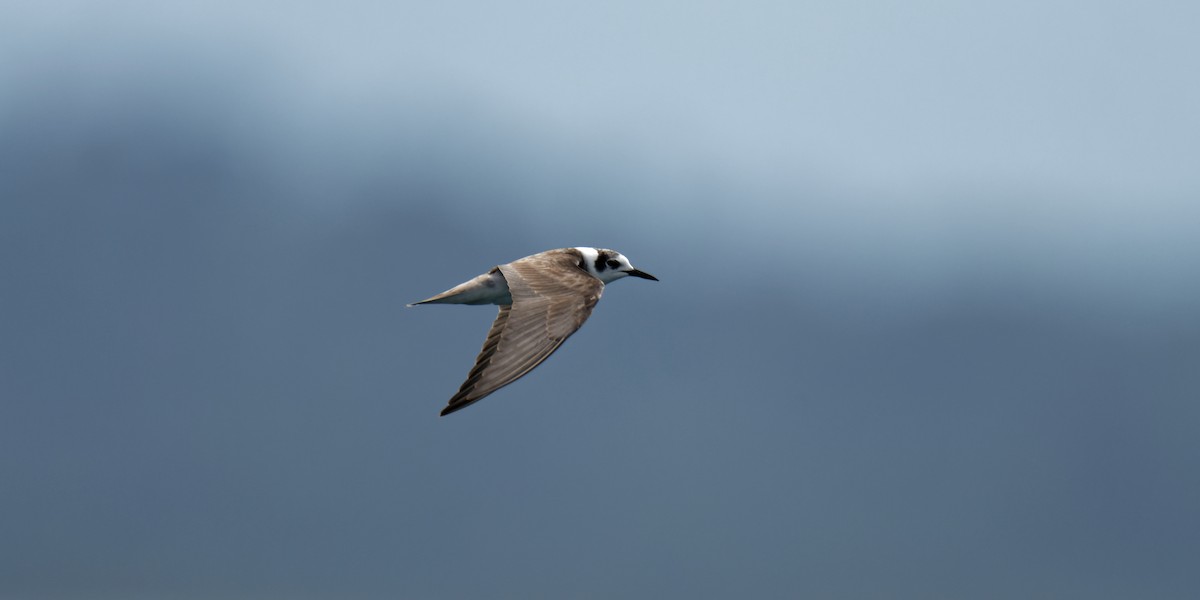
928 324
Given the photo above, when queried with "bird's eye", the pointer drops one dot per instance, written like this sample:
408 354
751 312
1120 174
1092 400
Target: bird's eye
613 263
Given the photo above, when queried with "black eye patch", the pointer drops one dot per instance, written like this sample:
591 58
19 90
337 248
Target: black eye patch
612 263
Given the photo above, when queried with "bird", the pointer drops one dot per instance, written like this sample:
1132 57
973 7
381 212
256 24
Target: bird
543 299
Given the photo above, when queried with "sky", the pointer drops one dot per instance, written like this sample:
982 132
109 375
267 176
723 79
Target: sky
927 326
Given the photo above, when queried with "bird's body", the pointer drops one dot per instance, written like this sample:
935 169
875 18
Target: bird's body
543 299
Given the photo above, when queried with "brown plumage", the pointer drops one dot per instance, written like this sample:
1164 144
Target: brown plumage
551 298
543 299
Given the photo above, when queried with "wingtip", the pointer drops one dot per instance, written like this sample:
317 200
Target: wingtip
453 406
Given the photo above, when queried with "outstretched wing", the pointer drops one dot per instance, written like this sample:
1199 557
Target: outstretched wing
551 298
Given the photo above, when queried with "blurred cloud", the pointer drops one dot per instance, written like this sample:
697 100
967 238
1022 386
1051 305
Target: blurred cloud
1072 94
927 326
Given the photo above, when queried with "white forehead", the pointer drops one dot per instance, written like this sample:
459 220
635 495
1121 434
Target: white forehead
591 254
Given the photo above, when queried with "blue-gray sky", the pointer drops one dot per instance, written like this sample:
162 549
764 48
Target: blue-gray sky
928 324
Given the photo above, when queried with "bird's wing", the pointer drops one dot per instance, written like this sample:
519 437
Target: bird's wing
551 298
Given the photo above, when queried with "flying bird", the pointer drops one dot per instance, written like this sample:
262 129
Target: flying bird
543 299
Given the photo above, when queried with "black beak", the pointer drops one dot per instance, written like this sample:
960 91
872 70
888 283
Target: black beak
642 274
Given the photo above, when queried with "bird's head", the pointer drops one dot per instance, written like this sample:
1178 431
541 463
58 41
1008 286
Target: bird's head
610 265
